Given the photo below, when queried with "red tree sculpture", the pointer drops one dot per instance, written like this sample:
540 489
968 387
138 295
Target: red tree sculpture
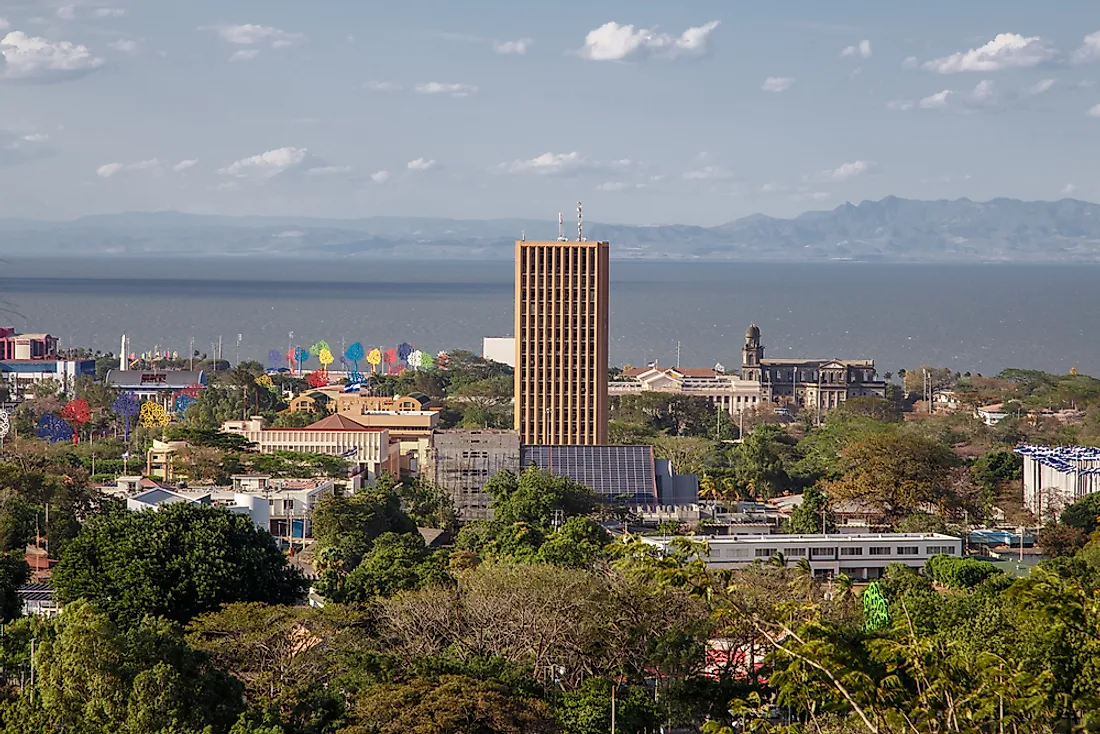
77 413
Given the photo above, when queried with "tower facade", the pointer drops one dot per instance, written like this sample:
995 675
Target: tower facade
752 355
561 342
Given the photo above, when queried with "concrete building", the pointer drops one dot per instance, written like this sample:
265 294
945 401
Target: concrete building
809 383
1056 477
242 504
991 415
26 359
729 392
159 460
460 462
161 386
860 557
367 449
561 322
290 502
499 349
335 400
628 475
38 601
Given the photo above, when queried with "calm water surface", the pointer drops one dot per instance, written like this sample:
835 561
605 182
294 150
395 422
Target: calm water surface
981 318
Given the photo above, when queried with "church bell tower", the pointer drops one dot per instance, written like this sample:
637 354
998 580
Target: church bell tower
752 355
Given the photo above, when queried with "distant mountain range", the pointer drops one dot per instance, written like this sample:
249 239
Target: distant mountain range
891 230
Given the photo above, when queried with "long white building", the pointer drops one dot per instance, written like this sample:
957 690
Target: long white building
860 557
1055 477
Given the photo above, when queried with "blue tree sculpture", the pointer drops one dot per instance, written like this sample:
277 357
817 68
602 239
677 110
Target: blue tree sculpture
127 405
53 429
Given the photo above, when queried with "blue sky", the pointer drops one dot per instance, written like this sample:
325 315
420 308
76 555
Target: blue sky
650 111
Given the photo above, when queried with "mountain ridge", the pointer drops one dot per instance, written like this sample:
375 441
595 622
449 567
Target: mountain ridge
892 229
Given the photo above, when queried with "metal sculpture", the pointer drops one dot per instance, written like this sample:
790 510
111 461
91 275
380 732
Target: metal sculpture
413 359
266 382
5 426
354 352
389 356
876 610
317 378
374 358
53 429
193 390
443 361
300 356
324 356
153 415
128 406
427 361
403 351
181 404
274 359
77 412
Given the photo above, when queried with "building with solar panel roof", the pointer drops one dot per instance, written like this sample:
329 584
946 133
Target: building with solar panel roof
1055 477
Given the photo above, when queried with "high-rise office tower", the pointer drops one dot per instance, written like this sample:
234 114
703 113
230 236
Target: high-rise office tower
561 342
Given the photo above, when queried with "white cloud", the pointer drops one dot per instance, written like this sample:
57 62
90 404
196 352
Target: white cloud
125 46
614 42
1006 51
4 24
707 173
985 93
328 170
267 165
1094 111
380 177
1069 189
547 164
252 35
777 83
421 164
109 12
110 169
1089 51
774 188
377 86
66 12
910 62
455 90
613 186
939 99
900 105
27 58
848 171
245 54
1038 88
518 47
862 50
184 165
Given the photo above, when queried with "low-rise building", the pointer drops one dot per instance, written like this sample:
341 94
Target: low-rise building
729 392
38 601
160 460
255 508
860 557
26 359
366 449
991 415
161 386
1056 477
499 349
290 501
460 462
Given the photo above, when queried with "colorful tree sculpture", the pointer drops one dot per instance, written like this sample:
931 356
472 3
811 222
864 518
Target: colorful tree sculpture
300 356
325 358
374 358
127 405
5 425
413 359
427 361
274 359
403 351
181 404
193 390
390 356
317 378
442 360
876 611
53 429
354 352
77 413
266 382
153 415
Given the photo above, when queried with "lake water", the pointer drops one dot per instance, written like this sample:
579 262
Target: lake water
981 318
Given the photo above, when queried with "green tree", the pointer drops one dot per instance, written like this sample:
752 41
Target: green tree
813 515
579 543
14 572
1084 514
177 562
761 461
396 562
588 709
534 495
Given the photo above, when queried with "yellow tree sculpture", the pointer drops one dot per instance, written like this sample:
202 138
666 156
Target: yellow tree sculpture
374 358
325 358
153 415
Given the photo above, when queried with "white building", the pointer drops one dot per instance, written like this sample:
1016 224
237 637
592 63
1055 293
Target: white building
729 392
255 507
1055 477
991 415
499 349
290 501
860 557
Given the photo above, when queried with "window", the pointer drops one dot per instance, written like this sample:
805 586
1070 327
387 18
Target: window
908 550
765 552
822 552
851 551
938 550
796 552
881 550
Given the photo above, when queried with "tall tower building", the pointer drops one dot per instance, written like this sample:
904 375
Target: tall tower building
561 342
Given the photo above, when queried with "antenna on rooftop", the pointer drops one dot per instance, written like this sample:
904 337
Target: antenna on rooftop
561 228
580 222
523 235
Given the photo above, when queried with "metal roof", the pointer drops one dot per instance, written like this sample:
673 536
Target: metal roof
155 379
1065 459
619 472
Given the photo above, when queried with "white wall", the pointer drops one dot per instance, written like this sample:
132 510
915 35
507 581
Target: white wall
499 349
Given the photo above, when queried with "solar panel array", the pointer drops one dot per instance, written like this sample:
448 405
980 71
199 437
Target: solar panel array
622 473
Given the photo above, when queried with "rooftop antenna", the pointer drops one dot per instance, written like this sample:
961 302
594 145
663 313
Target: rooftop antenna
580 222
561 228
523 235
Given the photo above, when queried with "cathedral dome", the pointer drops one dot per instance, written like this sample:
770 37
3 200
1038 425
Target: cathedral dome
752 332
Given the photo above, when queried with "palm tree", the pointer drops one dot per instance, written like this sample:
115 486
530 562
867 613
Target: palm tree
778 560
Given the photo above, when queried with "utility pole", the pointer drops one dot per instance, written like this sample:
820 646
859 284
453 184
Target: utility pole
191 355
614 685
33 640
237 354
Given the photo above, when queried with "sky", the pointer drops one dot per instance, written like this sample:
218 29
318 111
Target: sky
650 111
